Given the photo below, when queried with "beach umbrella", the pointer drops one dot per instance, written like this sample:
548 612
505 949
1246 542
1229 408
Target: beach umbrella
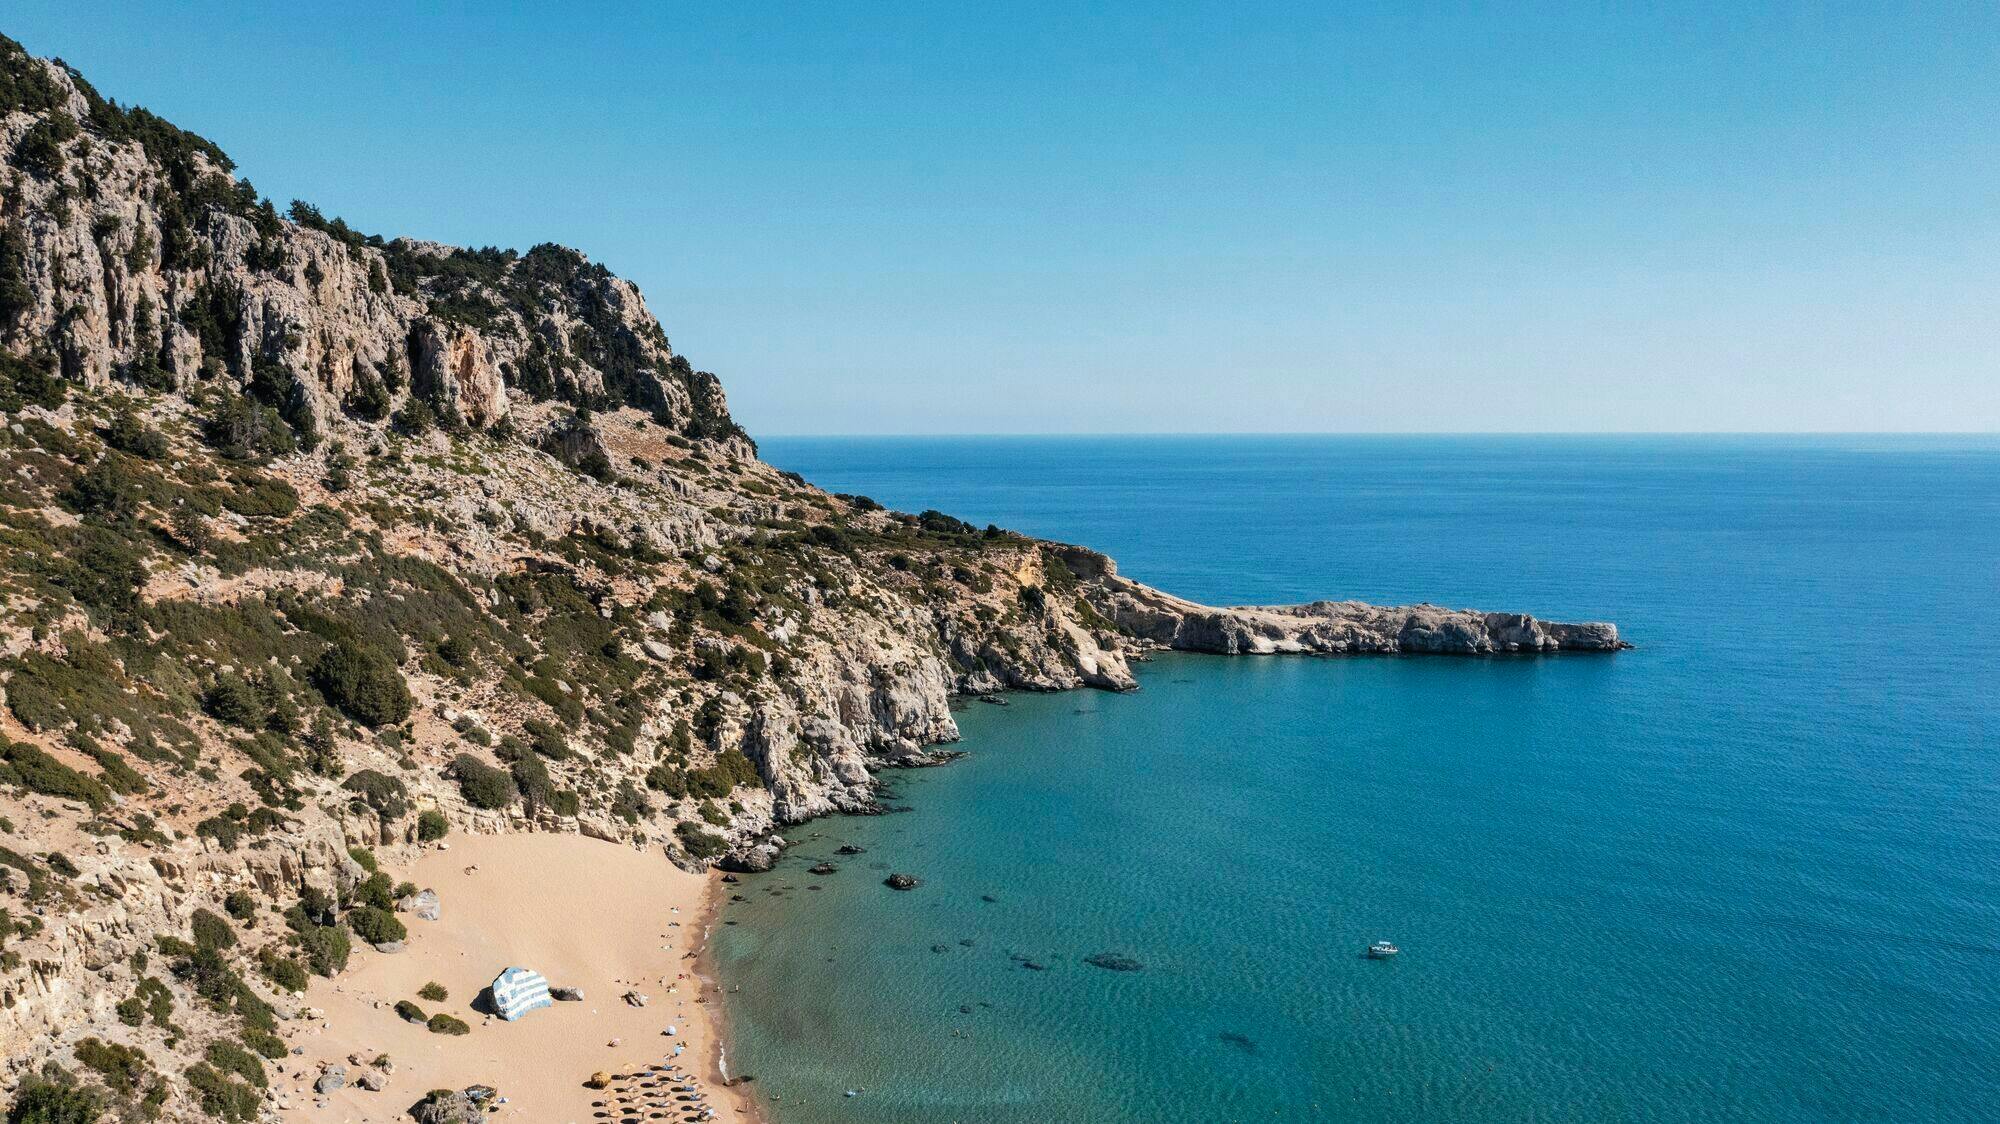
516 991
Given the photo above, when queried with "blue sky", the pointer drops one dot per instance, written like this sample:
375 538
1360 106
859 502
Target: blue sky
1231 217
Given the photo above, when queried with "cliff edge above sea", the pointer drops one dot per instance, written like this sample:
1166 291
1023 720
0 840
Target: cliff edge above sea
319 550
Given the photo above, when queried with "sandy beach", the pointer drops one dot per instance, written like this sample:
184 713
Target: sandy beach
585 913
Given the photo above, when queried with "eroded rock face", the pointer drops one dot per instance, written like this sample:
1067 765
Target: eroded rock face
165 270
455 367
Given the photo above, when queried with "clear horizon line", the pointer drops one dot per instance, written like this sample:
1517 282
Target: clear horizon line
1402 433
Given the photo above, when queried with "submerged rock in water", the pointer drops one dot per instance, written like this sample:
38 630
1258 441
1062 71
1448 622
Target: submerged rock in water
822 869
1113 962
1240 1041
850 849
902 882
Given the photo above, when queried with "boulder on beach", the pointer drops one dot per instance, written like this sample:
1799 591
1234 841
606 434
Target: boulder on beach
902 881
567 994
442 1106
423 903
754 858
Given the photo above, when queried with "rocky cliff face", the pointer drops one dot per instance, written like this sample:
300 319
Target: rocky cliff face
135 256
315 547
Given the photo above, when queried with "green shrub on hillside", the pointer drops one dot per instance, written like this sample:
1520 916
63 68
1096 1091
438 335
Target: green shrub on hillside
374 891
482 785
363 683
149 1000
128 434
231 1058
282 970
266 1044
699 843
119 776
40 150
257 494
44 1102
326 948
244 429
376 925
232 700
221 1097
105 491
36 771
432 825
122 1067
240 905
380 791
211 931
30 381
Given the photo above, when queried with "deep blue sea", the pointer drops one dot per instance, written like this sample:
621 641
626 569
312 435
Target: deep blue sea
1749 870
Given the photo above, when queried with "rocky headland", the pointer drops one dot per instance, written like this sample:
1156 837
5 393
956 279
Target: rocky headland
318 548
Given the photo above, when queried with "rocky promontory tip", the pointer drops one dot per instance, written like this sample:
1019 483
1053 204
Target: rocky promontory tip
1327 628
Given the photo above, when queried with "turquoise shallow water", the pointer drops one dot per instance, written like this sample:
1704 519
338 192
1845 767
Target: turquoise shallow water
1749 871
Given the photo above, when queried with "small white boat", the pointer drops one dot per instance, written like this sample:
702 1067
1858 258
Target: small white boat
1382 950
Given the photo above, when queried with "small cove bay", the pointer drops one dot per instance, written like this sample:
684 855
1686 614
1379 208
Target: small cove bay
1749 870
